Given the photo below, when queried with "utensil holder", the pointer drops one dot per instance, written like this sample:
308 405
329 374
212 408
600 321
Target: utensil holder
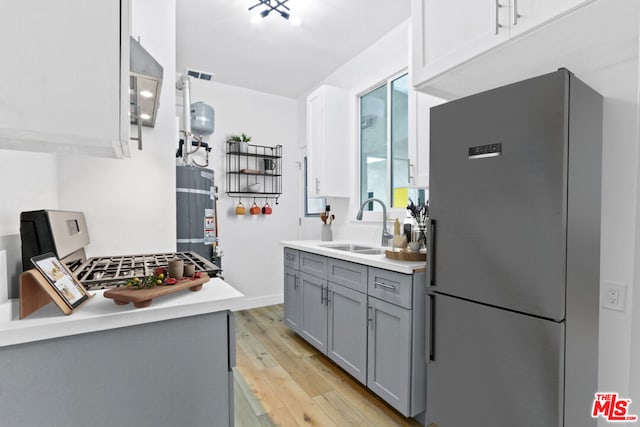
326 234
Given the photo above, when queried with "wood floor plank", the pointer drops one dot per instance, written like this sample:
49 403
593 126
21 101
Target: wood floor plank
282 418
244 416
358 396
304 411
255 351
272 321
339 410
304 387
247 394
312 383
257 383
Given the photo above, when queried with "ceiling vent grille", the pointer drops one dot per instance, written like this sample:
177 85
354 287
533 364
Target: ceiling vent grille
201 75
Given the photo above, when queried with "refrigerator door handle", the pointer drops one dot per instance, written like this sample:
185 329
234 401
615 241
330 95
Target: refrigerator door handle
431 330
431 250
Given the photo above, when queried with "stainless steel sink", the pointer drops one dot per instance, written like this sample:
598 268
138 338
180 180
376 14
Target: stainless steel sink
372 251
357 249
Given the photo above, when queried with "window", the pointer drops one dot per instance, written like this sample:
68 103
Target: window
384 145
312 205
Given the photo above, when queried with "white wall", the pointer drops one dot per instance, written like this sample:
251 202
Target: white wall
619 86
28 181
252 260
386 57
130 204
634 374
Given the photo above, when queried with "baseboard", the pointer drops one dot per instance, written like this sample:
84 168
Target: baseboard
255 302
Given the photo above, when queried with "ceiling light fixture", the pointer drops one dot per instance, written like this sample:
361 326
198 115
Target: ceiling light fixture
274 5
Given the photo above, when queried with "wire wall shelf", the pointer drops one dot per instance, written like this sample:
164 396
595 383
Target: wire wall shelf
254 171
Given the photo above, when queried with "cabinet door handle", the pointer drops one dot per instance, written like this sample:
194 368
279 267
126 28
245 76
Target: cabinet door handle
410 178
514 12
322 295
327 299
295 282
369 314
498 7
384 285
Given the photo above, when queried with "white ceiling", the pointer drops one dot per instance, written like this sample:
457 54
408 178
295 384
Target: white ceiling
273 56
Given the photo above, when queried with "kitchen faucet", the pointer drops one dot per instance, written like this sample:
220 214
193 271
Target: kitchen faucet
385 234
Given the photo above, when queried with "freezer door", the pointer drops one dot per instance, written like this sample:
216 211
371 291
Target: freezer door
493 367
499 210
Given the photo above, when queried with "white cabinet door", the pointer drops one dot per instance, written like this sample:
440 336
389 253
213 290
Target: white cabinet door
419 117
526 14
315 136
63 86
446 33
328 142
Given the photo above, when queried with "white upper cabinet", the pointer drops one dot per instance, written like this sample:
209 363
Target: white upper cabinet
526 14
455 36
64 85
446 33
328 144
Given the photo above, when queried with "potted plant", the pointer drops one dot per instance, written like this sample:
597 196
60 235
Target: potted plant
241 142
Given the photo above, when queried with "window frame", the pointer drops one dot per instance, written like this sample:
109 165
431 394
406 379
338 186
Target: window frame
376 216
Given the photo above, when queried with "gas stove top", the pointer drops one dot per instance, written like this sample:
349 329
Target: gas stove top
113 271
66 234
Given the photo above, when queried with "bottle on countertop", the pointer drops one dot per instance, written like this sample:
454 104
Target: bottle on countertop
407 226
399 239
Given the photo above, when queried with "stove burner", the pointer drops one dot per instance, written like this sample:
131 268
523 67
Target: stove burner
113 271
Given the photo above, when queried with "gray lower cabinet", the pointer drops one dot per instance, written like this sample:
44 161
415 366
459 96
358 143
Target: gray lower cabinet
313 311
389 371
292 299
347 334
170 373
369 321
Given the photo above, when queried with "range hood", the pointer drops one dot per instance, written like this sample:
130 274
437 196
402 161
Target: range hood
145 84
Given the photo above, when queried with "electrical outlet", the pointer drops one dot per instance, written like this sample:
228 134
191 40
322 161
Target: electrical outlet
614 296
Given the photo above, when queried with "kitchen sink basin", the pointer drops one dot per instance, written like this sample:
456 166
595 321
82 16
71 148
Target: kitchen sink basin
357 249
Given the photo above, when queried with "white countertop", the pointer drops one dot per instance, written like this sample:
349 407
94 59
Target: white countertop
100 313
380 261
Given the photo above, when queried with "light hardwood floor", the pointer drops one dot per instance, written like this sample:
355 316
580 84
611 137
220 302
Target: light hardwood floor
281 380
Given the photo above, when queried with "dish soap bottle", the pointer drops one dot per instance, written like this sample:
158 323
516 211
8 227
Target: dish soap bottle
399 239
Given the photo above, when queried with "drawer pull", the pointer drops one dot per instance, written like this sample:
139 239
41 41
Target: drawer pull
384 285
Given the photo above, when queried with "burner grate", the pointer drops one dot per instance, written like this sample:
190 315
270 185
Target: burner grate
113 271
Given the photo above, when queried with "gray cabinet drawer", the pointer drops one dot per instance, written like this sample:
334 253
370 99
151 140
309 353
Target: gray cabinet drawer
345 273
313 264
390 286
291 258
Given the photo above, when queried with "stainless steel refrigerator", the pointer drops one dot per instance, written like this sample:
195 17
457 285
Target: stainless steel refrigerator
515 253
